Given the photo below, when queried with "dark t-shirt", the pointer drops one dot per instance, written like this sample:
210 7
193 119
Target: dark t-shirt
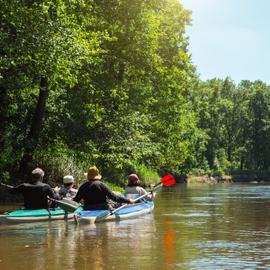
95 194
35 195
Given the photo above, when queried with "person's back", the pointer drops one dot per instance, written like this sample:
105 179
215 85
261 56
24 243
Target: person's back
35 194
133 189
67 193
95 193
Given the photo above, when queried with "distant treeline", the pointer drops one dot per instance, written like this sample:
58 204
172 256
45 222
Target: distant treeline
112 83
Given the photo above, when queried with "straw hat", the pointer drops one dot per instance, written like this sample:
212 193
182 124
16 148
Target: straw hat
68 179
93 173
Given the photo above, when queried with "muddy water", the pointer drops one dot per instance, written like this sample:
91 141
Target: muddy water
223 226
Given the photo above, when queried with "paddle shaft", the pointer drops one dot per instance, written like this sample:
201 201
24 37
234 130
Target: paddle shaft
67 206
5 185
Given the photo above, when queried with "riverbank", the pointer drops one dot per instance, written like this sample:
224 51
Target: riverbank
209 179
246 177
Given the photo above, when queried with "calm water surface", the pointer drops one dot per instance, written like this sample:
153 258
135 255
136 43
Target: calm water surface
223 226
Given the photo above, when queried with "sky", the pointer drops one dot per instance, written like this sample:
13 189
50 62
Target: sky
230 38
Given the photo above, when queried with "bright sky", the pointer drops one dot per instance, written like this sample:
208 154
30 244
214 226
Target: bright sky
230 38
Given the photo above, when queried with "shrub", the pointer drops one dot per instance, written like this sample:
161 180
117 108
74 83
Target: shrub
58 160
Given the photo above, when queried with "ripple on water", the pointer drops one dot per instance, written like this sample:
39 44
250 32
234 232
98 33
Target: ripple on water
223 254
191 223
202 204
192 214
205 199
222 262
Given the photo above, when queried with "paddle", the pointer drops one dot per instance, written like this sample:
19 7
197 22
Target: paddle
166 181
66 205
5 185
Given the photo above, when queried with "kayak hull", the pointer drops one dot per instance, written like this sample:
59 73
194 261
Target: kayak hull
24 216
128 212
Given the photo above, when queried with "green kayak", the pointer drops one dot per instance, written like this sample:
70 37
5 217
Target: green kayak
23 215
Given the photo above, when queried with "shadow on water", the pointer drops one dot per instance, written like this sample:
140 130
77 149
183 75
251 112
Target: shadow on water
223 226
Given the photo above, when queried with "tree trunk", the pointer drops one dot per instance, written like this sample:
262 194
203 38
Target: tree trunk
3 95
3 108
33 137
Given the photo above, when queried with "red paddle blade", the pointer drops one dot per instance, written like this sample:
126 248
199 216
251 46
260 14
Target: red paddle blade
168 180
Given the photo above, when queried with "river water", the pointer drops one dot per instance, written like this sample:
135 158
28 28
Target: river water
221 226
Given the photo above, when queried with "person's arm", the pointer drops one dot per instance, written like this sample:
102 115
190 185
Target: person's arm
78 196
16 190
114 196
142 191
62 192
149 197
52 194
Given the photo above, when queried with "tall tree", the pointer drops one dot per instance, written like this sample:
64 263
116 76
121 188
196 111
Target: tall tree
47 37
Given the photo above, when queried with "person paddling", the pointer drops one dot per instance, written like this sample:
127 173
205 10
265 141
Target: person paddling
35 193
96 195
134 189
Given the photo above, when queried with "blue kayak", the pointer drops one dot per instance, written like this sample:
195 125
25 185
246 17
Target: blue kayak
129 211
24 215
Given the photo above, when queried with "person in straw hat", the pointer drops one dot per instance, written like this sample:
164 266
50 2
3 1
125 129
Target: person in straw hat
96 195
35 193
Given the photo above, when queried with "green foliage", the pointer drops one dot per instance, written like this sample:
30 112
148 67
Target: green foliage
148 176
58 160
236 122
122 94
115 188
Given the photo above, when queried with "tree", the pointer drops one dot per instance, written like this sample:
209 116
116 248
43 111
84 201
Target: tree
50 42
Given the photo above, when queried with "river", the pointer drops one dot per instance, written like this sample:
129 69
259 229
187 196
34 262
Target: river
221 226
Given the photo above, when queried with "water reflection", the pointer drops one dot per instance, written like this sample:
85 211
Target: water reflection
169 245
64 244
192 227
